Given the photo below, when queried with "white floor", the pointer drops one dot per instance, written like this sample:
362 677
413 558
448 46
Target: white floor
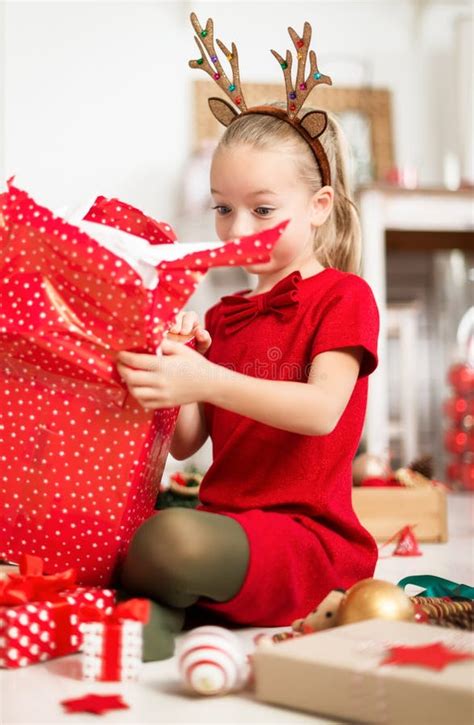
32 695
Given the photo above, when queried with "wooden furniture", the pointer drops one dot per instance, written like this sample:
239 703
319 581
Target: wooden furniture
418 219
385 510
373 103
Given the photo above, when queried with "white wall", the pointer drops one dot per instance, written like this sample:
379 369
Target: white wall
90 96
465 94
97 94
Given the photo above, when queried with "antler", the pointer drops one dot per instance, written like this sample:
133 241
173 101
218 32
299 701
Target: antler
296 95
217 73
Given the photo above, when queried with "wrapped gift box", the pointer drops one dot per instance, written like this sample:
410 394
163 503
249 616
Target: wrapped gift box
339 673
80 460
113 642
386 509
46 623
112 652
6 569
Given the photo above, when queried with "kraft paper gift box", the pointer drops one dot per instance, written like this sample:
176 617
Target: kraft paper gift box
40 615
386 509
338 673
80 460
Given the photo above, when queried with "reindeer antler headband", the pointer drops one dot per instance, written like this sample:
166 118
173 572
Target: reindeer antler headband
313 123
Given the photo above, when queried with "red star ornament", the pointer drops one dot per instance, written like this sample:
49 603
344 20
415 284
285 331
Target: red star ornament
96 704
435 656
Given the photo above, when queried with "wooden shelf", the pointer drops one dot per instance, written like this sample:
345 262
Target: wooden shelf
426 190
419 240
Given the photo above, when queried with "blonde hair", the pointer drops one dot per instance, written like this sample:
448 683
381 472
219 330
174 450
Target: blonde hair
337 242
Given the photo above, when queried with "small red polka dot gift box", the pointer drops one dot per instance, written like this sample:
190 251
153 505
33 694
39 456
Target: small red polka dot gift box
80 460
113 642
40 615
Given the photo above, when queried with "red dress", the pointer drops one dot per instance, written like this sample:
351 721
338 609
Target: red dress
290 492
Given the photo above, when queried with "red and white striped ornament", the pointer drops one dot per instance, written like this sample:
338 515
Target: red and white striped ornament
212 661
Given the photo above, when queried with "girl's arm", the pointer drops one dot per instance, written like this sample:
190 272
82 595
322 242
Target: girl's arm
183 377
311 408
190 432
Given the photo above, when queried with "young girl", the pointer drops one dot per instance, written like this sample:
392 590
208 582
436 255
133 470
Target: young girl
279 381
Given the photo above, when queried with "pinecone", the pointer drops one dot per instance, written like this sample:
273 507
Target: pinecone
423 465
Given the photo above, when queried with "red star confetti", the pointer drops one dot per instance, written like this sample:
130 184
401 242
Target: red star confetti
407 544
96 704
436 656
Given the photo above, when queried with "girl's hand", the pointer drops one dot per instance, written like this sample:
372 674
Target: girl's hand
174 376
187 322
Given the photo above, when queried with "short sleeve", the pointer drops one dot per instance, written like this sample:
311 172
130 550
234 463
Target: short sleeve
348 317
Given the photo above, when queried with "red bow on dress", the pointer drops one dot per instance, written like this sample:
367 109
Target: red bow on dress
282 300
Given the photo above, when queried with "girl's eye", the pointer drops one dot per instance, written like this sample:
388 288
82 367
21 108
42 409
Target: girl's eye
261 210
218 208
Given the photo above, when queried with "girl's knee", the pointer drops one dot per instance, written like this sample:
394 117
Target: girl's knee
165 541
161 526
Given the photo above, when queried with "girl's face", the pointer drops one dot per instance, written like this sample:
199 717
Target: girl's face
254 189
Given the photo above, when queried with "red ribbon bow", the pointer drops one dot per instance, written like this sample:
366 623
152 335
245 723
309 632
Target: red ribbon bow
282 300
136 609
32 586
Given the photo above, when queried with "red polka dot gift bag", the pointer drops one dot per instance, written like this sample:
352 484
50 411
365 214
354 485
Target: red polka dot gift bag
80 460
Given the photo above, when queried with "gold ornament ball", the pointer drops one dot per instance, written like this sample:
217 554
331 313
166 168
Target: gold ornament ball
375 599
367 465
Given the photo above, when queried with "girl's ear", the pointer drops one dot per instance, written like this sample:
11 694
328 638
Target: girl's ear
314 122
222 111
322 203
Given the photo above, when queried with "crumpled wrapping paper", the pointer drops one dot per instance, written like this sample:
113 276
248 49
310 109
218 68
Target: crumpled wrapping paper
80 460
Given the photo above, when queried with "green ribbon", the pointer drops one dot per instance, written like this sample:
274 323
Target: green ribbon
438 587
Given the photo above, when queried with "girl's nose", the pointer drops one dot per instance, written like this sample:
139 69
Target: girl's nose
240 227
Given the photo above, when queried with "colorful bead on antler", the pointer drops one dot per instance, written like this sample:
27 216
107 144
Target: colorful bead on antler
299 92
310 126
205 43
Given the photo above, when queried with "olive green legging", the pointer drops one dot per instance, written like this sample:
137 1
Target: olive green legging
177 556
